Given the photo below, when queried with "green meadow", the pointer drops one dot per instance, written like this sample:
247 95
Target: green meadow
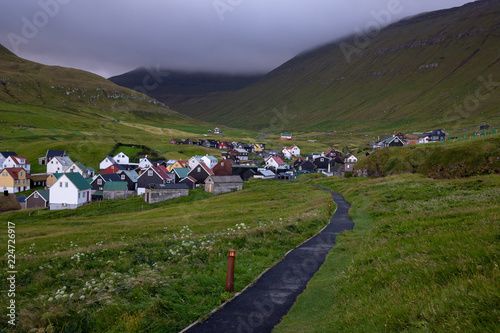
423 257
126 266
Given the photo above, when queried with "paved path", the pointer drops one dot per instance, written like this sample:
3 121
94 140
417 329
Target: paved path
261 307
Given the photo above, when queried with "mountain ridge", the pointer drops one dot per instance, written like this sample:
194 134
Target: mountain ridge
427 66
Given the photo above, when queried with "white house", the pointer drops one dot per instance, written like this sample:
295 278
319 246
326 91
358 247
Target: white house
59 164
289 152
145 163
193 161
70 191
106 163
351 159
17 162
209 161
274 162
121 158
81 169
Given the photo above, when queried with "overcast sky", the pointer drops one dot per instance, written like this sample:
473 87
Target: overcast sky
110 37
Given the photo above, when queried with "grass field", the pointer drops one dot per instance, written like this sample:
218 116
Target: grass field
125 266
423 257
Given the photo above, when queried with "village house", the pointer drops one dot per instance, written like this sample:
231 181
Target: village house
153 175
106 162
200 172
49 155
323 163
223 168
274 163
210 144
130 177
17 162
121 158
9 201
155 193
70 191
81 169
99 181
433 136
115 190
4 155
59 164
306 166
236 154
333 153
225 145
349 163
209 161
145 163
244 171
223 184
177 164
286 136
193 161
189 181
38 180
180 173
38 199
289 152
245 146
216 130
14 180
115 168
259 147
264 174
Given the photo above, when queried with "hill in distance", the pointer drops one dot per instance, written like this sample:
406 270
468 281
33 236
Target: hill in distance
24 81
436 69
174 87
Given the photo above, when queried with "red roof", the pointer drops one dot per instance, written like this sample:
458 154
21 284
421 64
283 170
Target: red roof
278 160
18 158
14 172
161 171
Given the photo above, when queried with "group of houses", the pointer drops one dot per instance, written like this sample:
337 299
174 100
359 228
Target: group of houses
400 139
67 184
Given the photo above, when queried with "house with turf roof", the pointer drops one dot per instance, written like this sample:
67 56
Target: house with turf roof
70 191
38 199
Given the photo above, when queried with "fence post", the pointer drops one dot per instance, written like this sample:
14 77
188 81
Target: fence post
230 271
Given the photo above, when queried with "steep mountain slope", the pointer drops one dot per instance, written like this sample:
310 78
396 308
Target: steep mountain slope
437 69
172 87
23 81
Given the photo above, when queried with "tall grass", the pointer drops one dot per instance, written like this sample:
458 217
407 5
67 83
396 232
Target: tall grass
423 257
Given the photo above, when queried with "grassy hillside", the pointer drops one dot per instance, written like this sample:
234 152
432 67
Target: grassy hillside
89 134
463 158
423 257
434 70
173 87
125 266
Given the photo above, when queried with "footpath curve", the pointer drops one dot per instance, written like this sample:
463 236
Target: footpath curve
260 307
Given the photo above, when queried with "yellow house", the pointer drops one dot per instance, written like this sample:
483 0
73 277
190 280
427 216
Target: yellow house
14 180
177 164
259 147
52 178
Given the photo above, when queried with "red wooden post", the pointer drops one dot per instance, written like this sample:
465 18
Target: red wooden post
230 271
329 209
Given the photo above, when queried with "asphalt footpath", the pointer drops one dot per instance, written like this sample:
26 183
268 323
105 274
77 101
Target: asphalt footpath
260 307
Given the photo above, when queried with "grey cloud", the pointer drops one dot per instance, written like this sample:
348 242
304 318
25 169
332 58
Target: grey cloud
109 37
